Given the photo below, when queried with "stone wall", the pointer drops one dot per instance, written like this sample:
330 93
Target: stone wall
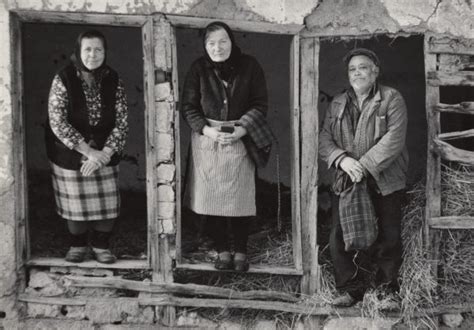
338 17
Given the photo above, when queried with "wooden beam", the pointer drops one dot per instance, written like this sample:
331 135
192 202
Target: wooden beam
301 308
256 269
31 16
178 288
466 108
295 150
309 162
440 78
448 152
60 262
456 135
452 222
452 63
235 25
450 45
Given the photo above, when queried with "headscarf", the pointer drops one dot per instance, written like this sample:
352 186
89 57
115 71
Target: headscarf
91 77
224 69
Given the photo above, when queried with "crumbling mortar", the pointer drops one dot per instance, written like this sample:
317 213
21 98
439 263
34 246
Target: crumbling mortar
434 11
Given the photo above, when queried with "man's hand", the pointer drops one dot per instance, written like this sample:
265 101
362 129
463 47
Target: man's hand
353 168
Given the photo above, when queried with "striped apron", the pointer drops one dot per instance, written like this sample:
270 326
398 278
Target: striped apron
221 178
86 198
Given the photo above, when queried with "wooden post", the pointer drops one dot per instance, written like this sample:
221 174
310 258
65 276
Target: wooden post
309 162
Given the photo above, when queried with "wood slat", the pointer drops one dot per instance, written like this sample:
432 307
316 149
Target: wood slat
456 135
309 162
80 18
452 222
450 45
301 308
439 78
295 152
257 269
188 289
452 63
463 108
453 154
60 262
235 25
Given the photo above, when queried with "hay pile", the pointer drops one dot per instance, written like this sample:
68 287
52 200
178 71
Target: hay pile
456 266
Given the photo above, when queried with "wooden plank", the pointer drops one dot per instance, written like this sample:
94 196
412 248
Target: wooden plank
295 152
450 45
456 135
452 222
80 18
257 269
301 308
19 168
433 162
440 78
448 152
60 262
177 288
150 141
452 63
466 108
235 25
309 162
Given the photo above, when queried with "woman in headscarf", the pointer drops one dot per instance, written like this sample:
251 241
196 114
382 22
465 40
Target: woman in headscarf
225 103
85 135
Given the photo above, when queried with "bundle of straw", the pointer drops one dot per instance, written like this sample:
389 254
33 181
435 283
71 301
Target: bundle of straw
457 189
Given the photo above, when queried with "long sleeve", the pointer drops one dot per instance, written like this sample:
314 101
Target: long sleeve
117 138
191 101
329 151
57 113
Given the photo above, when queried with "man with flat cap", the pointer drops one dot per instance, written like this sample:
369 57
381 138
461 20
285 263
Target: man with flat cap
363 139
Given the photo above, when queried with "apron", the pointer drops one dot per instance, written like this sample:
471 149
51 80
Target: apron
221 179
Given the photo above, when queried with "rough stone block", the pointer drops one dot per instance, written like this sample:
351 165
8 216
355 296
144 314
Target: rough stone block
146 316
74 312
265 325
34 324
452 320
45 284
337 323
165 145
164 116
229 325
166 172
167 226
117 310
166 210
43 310
7 249
163 92
166 193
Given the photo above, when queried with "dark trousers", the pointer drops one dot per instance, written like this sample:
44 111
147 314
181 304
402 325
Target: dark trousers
220 234
385 254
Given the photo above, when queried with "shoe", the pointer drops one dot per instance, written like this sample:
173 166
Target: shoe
76 254
104 256
241 264
224 263
344 300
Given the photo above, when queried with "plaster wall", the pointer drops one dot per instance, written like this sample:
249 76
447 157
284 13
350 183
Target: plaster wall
338 17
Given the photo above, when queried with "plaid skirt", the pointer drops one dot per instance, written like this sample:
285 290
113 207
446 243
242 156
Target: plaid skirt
86 198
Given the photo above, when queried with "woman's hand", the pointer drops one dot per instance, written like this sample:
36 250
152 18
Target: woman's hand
89 167
98 156
353 168
223 137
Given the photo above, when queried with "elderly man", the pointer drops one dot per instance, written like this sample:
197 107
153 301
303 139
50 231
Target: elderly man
363 139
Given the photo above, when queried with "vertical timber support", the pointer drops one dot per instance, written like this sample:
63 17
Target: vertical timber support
309 169
433 165
309 162
160 154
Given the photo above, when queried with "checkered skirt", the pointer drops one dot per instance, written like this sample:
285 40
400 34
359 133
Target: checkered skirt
86 198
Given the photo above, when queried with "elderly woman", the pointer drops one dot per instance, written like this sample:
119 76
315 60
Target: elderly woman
225 102
85 134
363 139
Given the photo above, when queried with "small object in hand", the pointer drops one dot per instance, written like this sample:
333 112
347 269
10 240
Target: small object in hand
227 129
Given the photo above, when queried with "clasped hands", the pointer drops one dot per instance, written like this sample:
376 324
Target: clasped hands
353 168
96 159
224 138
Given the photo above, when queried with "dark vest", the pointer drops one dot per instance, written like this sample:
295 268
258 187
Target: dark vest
77 116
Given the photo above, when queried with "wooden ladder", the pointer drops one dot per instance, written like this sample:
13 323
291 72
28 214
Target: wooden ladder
447 61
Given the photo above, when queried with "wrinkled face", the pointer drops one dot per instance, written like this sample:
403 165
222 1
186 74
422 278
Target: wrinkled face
92 53
362 73
218 45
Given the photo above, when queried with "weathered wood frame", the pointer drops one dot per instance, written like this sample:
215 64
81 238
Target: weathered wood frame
17 19
296 136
